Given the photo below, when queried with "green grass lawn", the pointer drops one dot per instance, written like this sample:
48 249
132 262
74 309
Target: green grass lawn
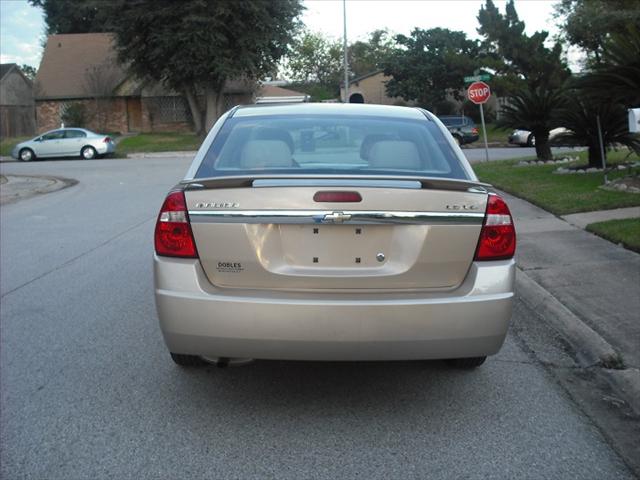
159 142
626 232
559 194
7 144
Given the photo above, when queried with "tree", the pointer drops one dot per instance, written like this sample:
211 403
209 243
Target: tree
589 23
368 56
527 72
617 76
28 71
606 92
535 110
430 64
315 58
200 45
518 59
75 16
580 115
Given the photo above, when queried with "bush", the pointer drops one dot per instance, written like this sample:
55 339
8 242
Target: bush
75 115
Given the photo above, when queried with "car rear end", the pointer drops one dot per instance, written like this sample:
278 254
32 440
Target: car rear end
333 233
103 144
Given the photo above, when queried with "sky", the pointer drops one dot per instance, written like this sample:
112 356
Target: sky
22 26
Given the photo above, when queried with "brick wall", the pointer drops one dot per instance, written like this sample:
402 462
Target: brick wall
103 115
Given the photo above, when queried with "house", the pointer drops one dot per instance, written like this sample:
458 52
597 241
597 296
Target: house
371 88
269 93
17 115
83 68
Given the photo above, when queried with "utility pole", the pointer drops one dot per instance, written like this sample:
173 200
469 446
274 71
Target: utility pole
346 63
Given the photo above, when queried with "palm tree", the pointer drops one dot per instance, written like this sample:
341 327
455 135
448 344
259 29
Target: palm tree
617 77
579 116
534 110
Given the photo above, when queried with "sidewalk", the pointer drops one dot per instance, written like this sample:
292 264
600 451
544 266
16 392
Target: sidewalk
586 287
581 220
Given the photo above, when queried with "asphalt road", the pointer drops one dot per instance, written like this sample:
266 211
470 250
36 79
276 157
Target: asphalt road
477 154
89 391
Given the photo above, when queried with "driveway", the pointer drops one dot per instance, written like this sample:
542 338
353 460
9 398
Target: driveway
88 389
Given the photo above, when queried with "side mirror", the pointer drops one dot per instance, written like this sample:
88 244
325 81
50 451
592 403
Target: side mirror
39 139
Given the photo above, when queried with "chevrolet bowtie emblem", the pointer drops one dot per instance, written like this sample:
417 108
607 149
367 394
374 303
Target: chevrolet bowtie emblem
336 217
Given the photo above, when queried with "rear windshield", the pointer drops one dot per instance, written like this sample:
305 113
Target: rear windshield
324 144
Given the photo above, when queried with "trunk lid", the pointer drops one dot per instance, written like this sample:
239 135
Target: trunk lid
272 234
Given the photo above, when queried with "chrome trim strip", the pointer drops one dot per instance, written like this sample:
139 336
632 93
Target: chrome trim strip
325 182
335 217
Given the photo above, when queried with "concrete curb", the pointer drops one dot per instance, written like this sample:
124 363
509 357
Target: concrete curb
591 349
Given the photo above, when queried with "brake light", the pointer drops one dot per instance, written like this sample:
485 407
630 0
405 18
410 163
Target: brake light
106 139
334 197
173 236
498 235
474 130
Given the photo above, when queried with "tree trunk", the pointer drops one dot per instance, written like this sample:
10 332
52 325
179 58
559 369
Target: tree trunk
543 149
594 156
214 98
196 114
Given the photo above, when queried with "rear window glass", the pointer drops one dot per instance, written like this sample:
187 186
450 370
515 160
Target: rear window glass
324 144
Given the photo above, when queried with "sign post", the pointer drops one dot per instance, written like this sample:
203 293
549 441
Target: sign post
479 92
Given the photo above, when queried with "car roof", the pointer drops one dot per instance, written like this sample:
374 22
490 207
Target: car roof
330 109
67 128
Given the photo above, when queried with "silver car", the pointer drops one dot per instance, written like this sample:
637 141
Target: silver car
65 142
332 232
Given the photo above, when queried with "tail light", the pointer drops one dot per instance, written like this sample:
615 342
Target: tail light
475 131
173 236
106 139
498 236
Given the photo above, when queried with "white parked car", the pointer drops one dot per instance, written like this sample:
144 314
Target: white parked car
65 142
525 138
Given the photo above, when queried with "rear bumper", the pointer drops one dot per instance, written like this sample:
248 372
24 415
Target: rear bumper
199 319
104 148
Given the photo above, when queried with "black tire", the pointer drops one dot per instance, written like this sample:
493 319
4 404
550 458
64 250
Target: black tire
466 363
187 360
458 140
531 140
88 153
26 155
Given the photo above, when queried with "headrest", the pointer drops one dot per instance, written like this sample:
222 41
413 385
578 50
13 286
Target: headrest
369 140
394 154
265 154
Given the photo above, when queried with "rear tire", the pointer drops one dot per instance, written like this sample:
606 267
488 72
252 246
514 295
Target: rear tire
466 363
458 140
187 360
26 155
531 141
88 153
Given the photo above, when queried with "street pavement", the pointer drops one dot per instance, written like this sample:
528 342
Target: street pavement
88 389
477 154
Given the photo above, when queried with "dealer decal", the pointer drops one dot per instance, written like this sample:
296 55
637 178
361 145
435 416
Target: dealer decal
229 267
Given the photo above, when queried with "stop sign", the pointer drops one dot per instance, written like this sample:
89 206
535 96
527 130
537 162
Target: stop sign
478 92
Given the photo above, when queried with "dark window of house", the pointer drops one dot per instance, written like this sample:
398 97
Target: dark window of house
170 110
